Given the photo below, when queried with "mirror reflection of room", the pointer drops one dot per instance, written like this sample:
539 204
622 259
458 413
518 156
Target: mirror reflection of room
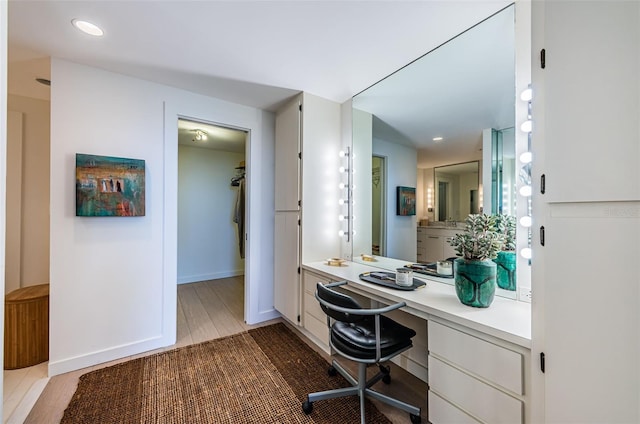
445 125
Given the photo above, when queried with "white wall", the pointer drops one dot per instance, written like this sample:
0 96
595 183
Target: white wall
13 236
33 254
113 280
402 170
3 158
321 145
207 235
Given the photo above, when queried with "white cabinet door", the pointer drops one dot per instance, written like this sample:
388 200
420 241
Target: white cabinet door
591 313
591 100
447 250
286 262
586 309
287 168
433 248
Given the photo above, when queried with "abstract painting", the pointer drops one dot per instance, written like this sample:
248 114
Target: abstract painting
406 203
109 186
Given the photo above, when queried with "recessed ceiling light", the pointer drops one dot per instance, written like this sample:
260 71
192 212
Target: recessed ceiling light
88 27
437 139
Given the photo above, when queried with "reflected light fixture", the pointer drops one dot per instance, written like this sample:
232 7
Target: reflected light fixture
88 27
437 139
200 135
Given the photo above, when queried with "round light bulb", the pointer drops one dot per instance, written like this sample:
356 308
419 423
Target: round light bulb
342 169
526 126
526 157
526 190
341 153
526 253
341 233
526 95
525 221
340 217
341 186
341 201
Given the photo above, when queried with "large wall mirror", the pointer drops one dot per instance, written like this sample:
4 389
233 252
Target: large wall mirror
443 124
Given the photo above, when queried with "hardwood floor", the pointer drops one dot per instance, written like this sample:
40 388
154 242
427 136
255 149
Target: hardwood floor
208 310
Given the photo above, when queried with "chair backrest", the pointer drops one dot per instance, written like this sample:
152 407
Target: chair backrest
338 299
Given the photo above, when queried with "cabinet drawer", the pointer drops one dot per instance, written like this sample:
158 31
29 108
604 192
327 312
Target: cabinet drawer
494 363
318 328
487 403
312 307
310 281
442 412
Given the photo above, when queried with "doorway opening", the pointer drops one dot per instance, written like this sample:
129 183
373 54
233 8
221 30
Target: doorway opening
378 206
211 210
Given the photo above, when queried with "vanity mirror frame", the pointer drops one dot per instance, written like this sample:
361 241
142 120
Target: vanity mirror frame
361 244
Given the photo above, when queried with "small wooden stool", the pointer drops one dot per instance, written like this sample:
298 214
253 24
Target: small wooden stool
26 327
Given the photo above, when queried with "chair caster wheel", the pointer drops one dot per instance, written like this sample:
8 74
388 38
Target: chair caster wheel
307 407
332 371
415 419
386 379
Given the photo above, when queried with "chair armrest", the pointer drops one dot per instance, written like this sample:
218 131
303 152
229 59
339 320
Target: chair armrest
362 311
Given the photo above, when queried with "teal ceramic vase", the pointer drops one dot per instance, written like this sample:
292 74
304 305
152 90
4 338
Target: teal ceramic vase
475 282
506 270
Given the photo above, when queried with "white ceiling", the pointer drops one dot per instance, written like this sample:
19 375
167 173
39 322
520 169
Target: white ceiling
256 53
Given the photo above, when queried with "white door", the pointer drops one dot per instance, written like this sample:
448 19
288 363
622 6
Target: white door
586 283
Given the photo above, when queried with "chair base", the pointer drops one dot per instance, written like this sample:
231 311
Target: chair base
361 388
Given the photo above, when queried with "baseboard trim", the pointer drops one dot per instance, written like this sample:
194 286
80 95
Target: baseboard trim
19 415
111 354
263 316
212 276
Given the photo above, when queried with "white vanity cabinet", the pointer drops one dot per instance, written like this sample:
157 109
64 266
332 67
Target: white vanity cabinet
314 320
474 378
433 243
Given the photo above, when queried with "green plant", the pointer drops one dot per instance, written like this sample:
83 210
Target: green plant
506 225
479 241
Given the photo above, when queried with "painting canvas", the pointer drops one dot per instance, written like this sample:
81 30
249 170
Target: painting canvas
109 186
406 201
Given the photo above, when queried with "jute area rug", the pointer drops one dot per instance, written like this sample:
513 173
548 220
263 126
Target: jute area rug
260 376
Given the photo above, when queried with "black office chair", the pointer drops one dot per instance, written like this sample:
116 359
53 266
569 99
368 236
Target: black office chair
364 336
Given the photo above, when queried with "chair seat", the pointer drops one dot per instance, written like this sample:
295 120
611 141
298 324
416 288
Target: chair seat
359 340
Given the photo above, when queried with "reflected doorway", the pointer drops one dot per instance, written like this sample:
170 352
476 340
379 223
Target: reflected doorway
378 206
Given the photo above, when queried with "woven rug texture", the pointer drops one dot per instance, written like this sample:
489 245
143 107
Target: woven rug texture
260 376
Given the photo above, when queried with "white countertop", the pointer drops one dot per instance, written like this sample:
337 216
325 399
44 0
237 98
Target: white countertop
507 319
